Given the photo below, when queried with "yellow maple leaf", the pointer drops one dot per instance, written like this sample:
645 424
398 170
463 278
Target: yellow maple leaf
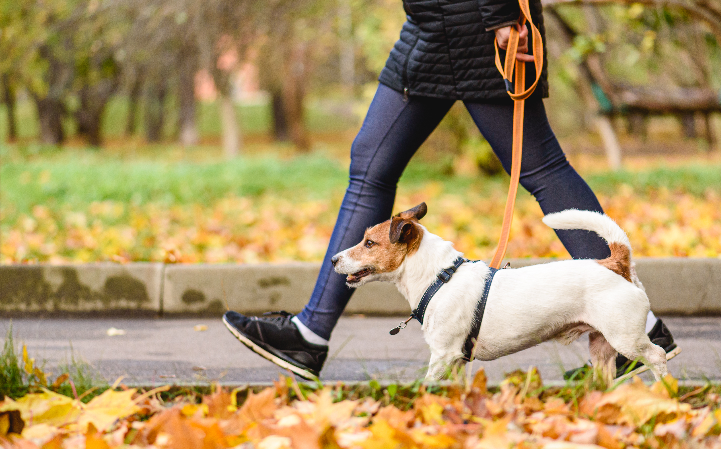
636 404
383 436
45 408
103 410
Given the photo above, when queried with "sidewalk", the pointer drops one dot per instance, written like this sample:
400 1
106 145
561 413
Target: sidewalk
154 351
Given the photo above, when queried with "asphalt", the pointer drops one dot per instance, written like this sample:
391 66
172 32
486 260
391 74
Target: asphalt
163 350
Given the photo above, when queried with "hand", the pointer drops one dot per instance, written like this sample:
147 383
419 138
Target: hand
504 34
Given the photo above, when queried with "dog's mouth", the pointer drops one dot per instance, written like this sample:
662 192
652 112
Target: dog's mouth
356 277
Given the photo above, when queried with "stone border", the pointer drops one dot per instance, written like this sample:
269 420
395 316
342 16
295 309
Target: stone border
68 289
676 286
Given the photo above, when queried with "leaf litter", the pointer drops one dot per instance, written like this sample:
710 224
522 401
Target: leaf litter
521 413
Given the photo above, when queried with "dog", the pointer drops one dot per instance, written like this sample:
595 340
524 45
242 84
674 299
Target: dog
525 306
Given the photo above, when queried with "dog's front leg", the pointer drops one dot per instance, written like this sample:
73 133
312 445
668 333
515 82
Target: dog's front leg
441 365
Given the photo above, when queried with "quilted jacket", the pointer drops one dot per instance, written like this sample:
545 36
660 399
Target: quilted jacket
446 49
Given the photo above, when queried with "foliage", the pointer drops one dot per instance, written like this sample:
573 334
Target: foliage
84 207
521 413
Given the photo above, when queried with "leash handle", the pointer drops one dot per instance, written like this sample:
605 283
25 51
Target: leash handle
519 93
510 63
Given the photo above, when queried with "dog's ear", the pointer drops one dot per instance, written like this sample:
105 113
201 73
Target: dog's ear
402 230
417 212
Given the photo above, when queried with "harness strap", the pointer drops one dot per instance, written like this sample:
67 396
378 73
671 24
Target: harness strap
442 278
519 94
470 343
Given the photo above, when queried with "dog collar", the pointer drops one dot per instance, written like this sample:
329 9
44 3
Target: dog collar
470 343
441 278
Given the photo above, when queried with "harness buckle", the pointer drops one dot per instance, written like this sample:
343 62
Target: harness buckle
445 275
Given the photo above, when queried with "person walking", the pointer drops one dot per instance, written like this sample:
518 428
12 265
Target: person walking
445 54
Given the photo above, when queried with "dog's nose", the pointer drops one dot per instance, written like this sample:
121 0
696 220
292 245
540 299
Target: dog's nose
334 260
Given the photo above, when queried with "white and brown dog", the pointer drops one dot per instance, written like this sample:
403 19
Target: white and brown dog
525 306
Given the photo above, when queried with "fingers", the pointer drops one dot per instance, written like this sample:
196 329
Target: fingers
522 31
502 36
522 38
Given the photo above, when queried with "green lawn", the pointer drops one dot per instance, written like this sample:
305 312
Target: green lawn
75 178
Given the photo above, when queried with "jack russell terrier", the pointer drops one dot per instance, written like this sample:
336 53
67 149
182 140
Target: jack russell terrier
523 307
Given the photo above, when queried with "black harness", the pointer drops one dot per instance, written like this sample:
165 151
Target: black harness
442 278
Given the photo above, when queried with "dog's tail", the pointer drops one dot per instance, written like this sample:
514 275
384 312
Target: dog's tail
620 261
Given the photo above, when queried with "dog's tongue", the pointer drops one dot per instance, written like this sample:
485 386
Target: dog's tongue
351 278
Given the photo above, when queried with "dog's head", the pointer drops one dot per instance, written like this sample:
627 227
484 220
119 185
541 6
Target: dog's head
383 248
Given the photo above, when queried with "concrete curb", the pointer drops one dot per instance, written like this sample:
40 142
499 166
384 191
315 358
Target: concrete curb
105 288
675 286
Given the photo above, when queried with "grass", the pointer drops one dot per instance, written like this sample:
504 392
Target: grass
75 178
696 179
76 378
12 383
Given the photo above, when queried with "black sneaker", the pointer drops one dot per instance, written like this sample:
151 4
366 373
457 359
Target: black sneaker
659 335
277 339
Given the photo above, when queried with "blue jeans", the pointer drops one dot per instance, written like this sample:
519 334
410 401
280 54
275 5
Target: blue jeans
392 132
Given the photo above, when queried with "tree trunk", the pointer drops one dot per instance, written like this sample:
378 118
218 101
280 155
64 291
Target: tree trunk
294 96
610 142
90 125
50 113
688 122
638 124
347 46
92 105
155 111
10 100
136 92
710 135
231 130
281 133
186 96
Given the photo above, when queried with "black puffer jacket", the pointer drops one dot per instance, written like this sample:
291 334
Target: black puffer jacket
446 49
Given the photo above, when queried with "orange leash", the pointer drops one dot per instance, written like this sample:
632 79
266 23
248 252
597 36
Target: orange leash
519 95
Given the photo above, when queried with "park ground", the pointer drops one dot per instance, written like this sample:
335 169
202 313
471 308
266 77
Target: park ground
68 403
131 201
188 380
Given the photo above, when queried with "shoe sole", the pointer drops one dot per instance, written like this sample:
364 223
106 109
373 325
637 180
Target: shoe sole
269 356
643 368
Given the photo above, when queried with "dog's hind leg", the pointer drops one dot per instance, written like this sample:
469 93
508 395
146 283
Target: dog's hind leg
603 357
655 356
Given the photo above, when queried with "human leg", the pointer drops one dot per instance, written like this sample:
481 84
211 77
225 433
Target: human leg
545 171
392 132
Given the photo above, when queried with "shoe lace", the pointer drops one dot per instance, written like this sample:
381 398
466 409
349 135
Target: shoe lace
282 319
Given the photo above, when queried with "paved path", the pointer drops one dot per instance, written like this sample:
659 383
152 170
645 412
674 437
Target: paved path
170 350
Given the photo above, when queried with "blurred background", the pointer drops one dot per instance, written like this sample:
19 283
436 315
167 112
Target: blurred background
216 131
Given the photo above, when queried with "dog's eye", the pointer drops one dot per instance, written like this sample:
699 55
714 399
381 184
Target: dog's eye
370 243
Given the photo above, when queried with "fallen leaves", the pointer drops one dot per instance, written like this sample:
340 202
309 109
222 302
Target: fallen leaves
660 223
523 414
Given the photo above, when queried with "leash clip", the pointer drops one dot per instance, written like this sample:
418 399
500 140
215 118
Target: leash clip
402 325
